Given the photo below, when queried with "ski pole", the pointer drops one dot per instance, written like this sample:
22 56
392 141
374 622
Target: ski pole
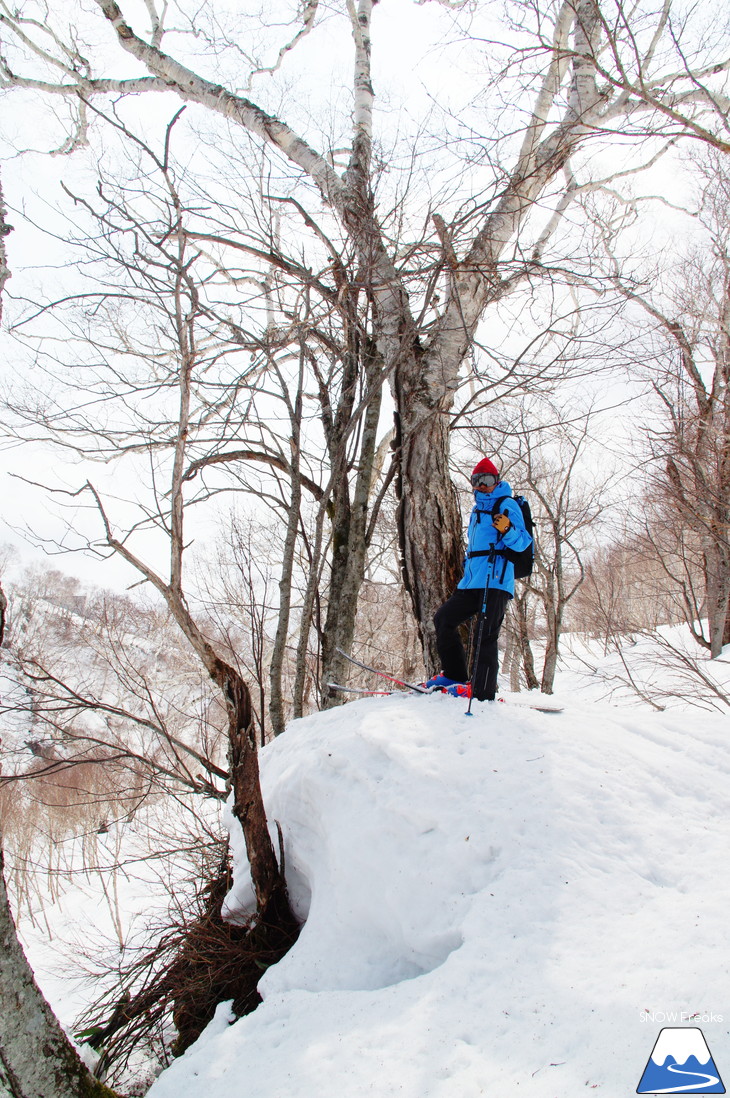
480 630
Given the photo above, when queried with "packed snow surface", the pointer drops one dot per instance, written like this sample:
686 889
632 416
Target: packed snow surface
512 903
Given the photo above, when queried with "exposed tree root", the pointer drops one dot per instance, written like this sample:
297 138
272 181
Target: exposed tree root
197 963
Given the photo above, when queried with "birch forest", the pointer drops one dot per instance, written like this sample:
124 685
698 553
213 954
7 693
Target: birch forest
273 279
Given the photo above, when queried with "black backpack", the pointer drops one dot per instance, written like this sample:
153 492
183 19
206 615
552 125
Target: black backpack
522 561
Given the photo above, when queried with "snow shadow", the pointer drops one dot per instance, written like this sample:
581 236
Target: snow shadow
402 818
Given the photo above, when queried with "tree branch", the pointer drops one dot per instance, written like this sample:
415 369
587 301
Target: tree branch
215 97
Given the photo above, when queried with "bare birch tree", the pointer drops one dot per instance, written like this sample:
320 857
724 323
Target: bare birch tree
156 389
36 1058
684 311
328 376
473 255
28 1025
564 510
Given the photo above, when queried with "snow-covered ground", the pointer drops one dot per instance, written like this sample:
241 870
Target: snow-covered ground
666 669
511 903
508 903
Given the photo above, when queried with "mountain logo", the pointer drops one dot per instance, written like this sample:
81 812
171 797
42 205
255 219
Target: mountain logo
680 1063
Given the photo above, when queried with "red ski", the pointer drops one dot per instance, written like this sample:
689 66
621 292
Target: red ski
416 688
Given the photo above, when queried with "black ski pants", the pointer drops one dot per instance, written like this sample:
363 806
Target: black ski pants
463 604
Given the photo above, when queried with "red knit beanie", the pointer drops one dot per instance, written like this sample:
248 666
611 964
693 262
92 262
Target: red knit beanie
485 466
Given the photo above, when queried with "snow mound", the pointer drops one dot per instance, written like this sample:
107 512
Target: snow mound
493 904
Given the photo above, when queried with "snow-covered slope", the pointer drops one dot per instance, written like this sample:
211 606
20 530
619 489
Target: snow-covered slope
502 904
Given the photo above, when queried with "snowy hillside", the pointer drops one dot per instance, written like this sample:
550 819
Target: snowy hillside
508 904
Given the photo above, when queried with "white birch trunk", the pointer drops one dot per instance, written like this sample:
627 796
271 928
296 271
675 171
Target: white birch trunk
36 1058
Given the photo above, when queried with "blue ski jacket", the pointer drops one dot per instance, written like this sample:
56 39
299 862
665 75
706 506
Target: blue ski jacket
482 537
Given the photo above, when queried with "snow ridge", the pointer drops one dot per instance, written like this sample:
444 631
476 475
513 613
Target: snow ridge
492 903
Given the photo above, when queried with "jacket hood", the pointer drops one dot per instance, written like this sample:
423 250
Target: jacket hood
485 502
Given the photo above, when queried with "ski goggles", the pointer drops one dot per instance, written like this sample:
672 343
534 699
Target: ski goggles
484 480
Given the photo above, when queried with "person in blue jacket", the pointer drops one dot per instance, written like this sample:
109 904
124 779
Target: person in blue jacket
485 567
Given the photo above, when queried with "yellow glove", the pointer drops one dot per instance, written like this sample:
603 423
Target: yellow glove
501 523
